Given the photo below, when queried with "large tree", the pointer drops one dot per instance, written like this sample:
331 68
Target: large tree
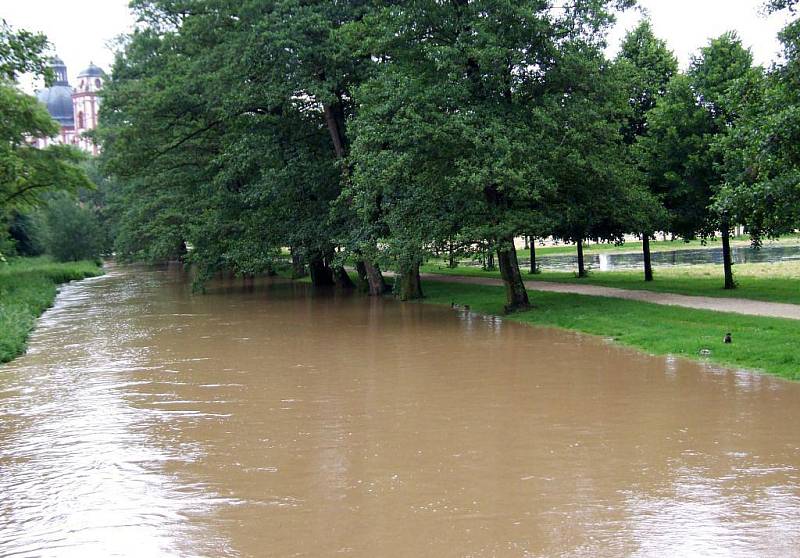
480 71
239 111
648 66
679 150
26 172
599 192
761 154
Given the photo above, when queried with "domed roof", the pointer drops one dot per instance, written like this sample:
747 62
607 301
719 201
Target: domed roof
92 71
58 100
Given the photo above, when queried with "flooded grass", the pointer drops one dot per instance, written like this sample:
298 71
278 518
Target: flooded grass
765 344
27 288
771 282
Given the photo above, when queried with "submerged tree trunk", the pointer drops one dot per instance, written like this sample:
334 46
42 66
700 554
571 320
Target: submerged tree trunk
376 284
648 264
321 273
534 269
298 265
342 279
516 295
409 286
581 267
363 282
727 260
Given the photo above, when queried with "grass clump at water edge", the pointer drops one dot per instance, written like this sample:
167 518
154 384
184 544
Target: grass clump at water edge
28 288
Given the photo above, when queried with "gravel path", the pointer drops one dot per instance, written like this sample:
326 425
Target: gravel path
735 305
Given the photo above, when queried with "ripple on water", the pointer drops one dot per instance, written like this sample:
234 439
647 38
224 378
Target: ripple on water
145 421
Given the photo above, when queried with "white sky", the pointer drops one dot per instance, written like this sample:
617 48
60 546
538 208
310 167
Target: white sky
81 30
688 25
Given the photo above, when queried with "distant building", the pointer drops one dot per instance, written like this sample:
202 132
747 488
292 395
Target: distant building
75 109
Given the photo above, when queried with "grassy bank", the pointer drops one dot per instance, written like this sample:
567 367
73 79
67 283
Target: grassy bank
778 282
766 344
28 288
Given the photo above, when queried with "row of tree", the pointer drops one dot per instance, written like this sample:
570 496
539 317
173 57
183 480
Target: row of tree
371 133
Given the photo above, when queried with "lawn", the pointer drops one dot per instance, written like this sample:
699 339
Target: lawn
765 344
28 288
776 282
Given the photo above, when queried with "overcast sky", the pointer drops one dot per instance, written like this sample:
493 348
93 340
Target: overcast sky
81 30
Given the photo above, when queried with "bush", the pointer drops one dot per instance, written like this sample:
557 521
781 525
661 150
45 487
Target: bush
72 232
26 232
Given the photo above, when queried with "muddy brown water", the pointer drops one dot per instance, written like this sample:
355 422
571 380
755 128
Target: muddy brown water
270 421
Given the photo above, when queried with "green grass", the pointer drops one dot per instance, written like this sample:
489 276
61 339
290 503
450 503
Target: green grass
28 288
764 344
779 282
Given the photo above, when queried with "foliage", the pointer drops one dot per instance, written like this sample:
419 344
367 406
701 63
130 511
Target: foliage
25 231
647 66
26 172
678 152
72 232
22 51
761 155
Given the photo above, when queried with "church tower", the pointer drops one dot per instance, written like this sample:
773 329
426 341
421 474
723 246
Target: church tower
86 104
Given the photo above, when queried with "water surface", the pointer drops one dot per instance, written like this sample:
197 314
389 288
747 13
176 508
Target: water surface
634 260
271 421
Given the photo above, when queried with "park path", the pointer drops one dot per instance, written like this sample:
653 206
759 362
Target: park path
735 305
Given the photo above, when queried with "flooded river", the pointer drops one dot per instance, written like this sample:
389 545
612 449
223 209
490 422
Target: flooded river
272 422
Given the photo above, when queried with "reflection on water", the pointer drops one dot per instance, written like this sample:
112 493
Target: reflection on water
633 260
271 421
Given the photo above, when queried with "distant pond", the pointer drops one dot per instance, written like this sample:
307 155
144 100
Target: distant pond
626 261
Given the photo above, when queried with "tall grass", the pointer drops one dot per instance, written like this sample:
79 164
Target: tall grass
28 288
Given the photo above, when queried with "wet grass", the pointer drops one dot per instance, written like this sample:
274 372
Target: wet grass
764 344
28 288
778 282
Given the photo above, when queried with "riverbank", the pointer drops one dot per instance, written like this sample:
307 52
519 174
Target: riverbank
27 288
776 282
764 344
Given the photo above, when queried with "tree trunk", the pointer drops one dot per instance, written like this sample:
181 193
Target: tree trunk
533 255
298 266
516 295
648 264
409 284
451 256
342 278
321 273
335 121
490 261
363 282
727 261
375 282
581 267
